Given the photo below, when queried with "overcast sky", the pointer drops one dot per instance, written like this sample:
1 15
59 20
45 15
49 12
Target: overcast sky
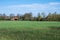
34 6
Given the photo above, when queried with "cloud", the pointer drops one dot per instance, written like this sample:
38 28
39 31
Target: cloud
54 3
35 8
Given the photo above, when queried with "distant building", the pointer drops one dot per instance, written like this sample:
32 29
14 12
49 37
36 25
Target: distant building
14 18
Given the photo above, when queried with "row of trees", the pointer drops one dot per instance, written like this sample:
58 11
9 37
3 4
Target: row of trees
29 17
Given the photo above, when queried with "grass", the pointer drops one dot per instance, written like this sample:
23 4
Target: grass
29 30
27 24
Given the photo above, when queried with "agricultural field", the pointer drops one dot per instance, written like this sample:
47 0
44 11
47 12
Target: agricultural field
29 30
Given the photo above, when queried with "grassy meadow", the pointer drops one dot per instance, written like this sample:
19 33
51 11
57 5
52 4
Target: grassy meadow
29 30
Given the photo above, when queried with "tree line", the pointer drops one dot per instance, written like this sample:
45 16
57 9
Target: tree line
29 17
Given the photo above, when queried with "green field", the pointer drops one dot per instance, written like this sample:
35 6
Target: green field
29 30
27 24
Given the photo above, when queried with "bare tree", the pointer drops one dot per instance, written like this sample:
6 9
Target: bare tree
39 17
27 16
12 15
43 14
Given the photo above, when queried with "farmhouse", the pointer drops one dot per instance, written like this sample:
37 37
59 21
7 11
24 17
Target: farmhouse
14 18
